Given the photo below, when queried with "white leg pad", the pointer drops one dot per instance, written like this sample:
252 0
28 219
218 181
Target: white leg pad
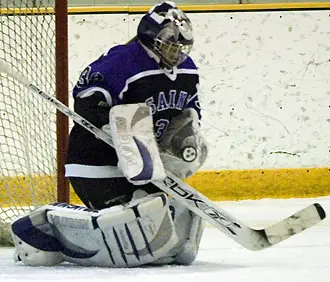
138 233
129 236
34 257
190 248
34 240
189 228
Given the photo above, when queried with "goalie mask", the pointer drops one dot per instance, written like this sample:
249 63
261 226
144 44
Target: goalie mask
167 32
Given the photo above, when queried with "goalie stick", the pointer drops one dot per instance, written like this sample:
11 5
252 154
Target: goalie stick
249 238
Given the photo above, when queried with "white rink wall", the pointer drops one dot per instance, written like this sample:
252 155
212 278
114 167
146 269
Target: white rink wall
265 86
265 82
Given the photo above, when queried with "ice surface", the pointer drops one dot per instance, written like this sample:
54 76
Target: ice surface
303 258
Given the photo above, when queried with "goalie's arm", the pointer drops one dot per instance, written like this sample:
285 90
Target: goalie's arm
93 95
93 106
98 88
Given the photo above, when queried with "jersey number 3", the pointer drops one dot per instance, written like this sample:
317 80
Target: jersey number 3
87 78
160 127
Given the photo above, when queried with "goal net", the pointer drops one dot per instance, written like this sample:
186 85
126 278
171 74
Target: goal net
28 140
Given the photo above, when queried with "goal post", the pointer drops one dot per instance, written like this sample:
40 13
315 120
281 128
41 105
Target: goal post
33 135
62 123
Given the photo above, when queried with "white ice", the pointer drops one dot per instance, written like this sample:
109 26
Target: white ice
302 258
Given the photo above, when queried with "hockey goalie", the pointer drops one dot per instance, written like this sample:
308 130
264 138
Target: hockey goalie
144 95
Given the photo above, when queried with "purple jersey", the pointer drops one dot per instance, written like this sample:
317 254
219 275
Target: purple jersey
126 74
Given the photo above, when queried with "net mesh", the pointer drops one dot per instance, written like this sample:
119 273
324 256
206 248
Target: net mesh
27 122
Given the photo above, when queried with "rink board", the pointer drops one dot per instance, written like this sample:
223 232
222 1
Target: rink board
217 185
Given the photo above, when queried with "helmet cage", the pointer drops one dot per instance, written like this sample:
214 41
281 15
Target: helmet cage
171 54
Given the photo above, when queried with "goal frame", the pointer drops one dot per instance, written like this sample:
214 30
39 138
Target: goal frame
62 94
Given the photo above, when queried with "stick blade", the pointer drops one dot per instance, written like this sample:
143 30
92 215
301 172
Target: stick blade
249 238
295 224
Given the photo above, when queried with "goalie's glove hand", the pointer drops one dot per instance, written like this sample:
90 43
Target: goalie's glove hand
183 150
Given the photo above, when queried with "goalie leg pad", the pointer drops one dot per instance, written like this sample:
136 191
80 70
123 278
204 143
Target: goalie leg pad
34 240
190 248
147 233
189 229
120 236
